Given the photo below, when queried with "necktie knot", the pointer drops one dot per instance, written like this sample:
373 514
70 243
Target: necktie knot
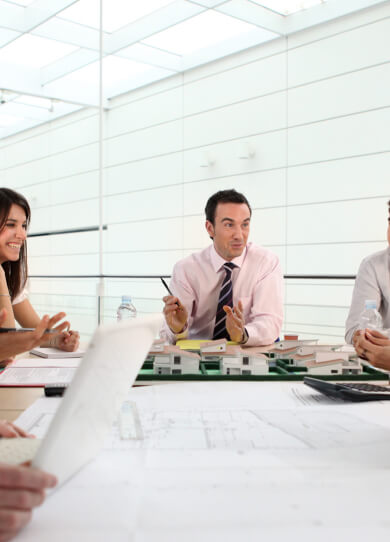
229 266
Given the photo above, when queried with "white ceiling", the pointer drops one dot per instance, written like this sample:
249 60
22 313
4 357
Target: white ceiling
49 49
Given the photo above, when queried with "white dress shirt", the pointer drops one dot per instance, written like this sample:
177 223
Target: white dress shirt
372 282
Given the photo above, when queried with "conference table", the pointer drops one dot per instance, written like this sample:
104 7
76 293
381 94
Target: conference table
13 401
227 461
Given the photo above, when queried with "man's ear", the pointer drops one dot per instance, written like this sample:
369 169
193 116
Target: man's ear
210 229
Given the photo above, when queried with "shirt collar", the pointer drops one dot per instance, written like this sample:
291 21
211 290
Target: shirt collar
217 262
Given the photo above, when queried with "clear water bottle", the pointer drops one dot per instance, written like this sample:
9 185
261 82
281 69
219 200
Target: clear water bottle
126 309
370 317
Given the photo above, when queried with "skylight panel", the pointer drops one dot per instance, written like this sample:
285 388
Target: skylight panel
116 71
8 120
286 7
204 30
34 52
116 13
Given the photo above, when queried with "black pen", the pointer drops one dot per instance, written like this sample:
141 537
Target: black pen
18 329
169 291
166 286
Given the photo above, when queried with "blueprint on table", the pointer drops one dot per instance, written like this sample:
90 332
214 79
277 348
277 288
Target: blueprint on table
228 461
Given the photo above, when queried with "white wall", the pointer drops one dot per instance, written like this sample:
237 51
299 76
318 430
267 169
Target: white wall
314 108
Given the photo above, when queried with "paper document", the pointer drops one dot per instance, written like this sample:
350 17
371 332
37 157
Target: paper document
35 376
30 363
44 352
227 461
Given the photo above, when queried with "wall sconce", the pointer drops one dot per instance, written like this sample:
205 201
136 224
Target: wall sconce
247 151
208 160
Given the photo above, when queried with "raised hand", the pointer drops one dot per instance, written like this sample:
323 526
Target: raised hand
235 323
175 313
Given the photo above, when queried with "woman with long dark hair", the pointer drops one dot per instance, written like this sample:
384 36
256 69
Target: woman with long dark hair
15 215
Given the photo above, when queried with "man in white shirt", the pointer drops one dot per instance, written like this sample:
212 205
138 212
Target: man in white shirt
372 283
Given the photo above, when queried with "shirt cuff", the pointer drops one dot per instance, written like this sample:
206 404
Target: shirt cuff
183 333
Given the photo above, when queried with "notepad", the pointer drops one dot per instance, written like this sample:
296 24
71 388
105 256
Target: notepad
194 344
46 363
46 352
35 376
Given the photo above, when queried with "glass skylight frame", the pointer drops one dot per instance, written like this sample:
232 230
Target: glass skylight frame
136 39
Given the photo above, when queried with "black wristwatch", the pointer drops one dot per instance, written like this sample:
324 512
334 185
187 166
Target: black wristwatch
245 337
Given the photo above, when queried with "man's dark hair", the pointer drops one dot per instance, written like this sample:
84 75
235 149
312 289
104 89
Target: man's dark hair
223 196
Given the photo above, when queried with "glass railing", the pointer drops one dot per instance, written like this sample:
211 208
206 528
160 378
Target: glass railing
315 306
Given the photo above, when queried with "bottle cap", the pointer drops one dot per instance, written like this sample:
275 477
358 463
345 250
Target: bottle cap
126 299
370 304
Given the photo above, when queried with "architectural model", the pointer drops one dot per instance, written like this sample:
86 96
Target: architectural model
334 367
235 360
174 361
240 361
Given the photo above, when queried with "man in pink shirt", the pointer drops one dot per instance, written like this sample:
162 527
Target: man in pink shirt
232 288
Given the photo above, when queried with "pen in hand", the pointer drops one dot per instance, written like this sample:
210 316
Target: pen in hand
20 329
169 291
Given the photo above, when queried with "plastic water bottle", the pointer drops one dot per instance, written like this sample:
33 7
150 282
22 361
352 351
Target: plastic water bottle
126 309
370 317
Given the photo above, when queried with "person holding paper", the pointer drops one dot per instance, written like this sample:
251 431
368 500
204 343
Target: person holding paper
232 289
21 489
15 217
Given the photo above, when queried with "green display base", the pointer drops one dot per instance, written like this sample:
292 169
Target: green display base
280 371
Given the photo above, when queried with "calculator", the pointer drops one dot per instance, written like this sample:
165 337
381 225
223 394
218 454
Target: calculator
355 391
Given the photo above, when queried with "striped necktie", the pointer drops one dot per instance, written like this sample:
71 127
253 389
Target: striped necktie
225 298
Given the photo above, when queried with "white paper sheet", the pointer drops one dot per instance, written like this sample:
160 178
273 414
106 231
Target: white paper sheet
64 363
35 376
48 352
228 461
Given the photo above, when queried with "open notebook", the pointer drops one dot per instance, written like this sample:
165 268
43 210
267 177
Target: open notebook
46 352
93 399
